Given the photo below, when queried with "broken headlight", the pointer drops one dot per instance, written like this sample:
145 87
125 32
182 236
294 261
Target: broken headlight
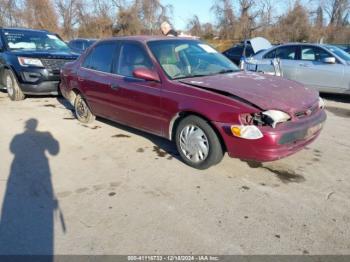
266 118
321 103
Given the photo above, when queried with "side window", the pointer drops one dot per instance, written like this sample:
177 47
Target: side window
101 57
132 56
287 52
312 53
271 54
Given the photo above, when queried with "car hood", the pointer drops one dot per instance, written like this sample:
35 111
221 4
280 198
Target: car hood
259 43
53 54
264 91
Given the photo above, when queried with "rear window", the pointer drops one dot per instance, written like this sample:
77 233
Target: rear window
101 57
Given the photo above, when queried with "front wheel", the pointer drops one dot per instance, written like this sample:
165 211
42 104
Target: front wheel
198 144
82 110
13 90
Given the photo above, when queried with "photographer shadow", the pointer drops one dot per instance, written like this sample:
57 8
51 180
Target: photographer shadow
30 206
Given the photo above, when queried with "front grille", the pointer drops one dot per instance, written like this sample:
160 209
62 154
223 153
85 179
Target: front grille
308 112
54 64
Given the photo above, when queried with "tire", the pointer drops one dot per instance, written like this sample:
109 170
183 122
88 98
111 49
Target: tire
194 134
82 110
13 90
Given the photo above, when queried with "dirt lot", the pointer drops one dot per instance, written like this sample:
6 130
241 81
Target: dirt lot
107 189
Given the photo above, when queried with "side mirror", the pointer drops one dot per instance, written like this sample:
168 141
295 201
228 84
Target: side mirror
146 74
329 60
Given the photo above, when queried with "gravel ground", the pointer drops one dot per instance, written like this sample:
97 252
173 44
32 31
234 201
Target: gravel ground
69 188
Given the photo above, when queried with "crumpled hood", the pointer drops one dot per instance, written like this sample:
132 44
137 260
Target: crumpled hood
264 91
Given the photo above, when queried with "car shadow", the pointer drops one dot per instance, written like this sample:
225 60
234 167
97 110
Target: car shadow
30 206
343 98
163 148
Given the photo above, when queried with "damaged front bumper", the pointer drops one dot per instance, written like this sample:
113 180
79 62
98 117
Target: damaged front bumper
276 143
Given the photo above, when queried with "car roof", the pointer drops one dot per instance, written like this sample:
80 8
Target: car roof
300 43
84 39
23 29
147 38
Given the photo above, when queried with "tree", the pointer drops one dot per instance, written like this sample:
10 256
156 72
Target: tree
10 14
225 17
152 13
40 14
69 13
319 17
247 23
294 26
194 26
337 11
95 23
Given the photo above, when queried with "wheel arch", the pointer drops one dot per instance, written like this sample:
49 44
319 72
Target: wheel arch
183 114
72 94
3 68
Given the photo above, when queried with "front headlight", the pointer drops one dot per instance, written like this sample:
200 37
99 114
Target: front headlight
246 132
27 61
321 103
266 118
276 116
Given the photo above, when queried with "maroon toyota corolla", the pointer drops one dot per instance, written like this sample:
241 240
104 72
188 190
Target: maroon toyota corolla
186 91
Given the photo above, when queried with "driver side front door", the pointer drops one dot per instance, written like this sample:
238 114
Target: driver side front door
138 100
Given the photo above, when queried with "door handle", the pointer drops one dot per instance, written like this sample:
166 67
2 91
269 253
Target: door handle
115 86
80 79
304 65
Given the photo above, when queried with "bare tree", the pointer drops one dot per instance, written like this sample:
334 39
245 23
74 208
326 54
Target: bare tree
337 11
225 17
10 14
40 14
194 26
69 13
152 13
294 25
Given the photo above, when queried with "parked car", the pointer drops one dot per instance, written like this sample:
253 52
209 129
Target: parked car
319 66
247 48
30 61
186 91
79 45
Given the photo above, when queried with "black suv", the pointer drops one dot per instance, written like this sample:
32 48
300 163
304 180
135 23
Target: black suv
30 61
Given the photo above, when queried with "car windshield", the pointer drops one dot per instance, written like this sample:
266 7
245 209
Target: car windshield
183 59
339 52
33 40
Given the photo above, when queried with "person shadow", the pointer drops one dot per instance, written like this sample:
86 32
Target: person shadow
30 206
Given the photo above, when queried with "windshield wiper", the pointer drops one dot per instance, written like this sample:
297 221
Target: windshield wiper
190 76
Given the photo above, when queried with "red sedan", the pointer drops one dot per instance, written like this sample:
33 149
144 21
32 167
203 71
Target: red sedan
186 91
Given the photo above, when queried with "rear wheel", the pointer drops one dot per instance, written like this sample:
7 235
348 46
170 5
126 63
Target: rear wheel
13 90
198 144
82 110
